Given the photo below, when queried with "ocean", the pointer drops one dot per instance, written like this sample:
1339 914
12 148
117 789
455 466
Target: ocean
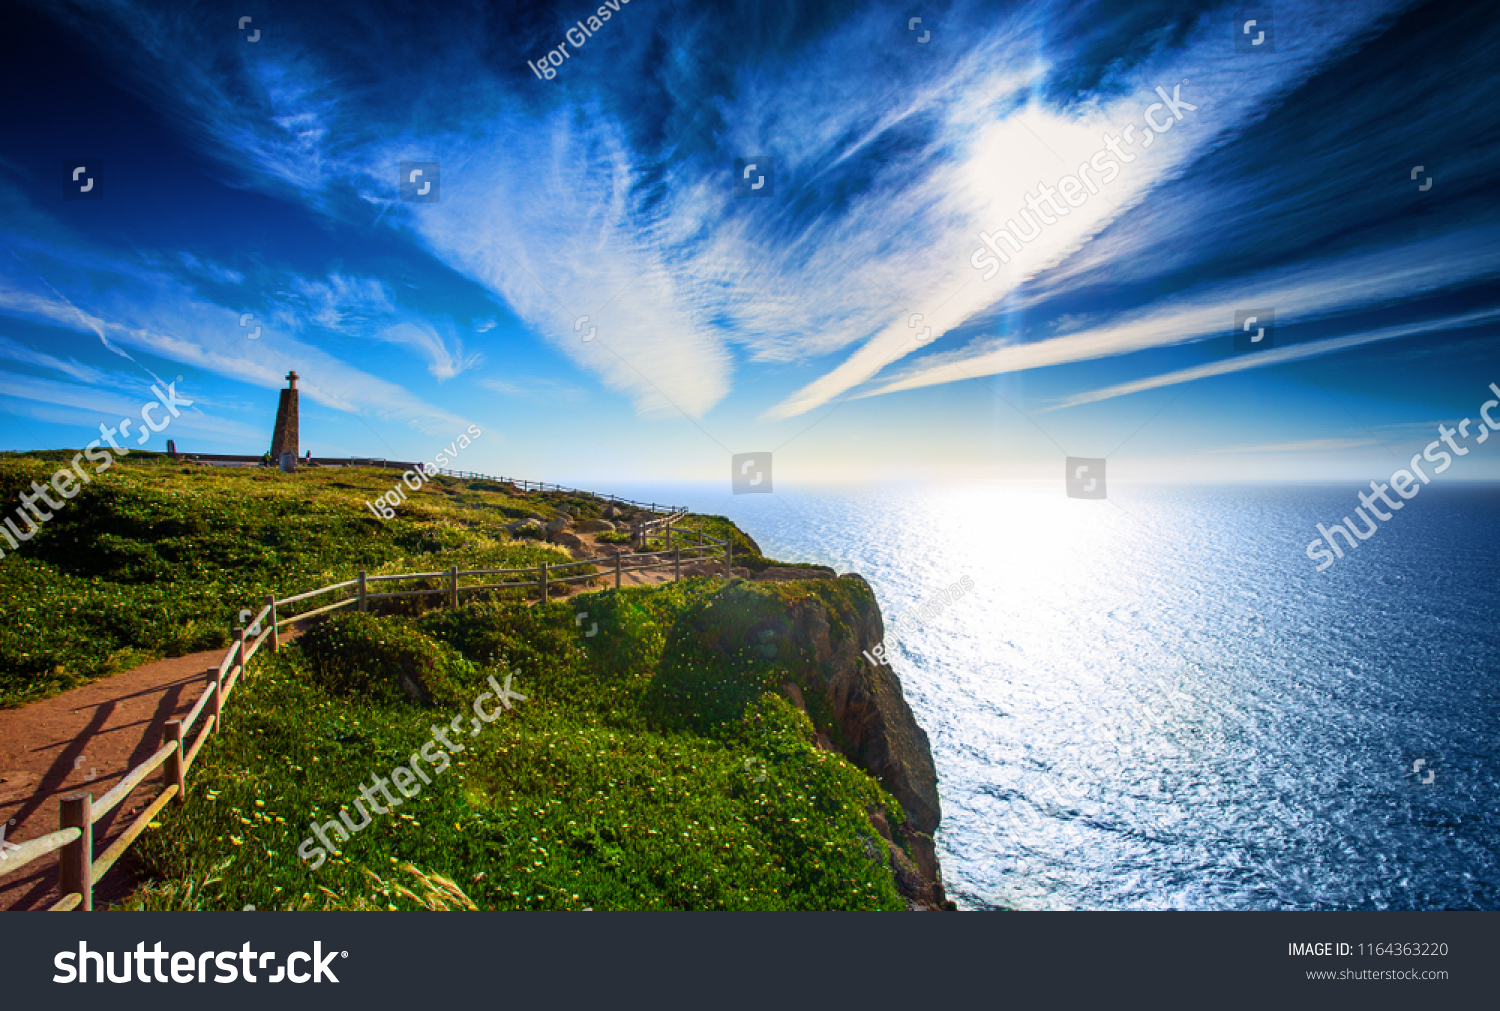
1155 701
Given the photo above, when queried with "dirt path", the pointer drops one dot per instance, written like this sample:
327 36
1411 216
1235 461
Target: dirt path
87 739
602 555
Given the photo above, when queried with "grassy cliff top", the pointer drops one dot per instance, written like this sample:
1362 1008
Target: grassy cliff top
642 770
657 759
158 558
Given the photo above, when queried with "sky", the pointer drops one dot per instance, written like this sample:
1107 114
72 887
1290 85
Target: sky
592 281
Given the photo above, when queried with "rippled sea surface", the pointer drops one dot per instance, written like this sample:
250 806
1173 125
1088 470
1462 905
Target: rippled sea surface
1155 701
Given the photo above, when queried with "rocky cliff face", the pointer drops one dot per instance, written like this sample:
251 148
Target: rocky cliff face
816 631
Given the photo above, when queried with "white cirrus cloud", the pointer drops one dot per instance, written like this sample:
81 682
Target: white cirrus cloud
992 162
1298 294
154 312
84 373
882 190
536 390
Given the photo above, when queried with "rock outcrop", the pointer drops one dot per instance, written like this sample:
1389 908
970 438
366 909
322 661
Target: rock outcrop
524 528
816 632
782 572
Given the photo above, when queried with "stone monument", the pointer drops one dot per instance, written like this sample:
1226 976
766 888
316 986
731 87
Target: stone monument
284 438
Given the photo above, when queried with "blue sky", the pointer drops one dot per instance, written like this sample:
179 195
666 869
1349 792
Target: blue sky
262 177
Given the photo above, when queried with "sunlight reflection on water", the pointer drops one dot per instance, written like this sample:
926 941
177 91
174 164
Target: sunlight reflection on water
1154 701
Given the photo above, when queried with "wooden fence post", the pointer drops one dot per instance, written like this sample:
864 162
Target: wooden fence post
676 563
275 635
238 652
728 557
453 587
544 582
364 602
216 704
618 556
173 775
75 870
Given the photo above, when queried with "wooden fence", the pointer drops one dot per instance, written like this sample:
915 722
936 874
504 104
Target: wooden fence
543 486
78 868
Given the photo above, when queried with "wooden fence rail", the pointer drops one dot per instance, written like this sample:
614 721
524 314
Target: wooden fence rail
78 869
542 486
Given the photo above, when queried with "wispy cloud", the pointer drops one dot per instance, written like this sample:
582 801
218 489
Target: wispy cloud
339 303
87 407
883 189
1304 446
156 313
1298 294
211 271
364 308
545 219
536 390
422 336
568 207
84 373
992 162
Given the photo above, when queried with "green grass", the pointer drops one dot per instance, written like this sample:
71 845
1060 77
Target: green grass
609 787
646 769
746 551
157 559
